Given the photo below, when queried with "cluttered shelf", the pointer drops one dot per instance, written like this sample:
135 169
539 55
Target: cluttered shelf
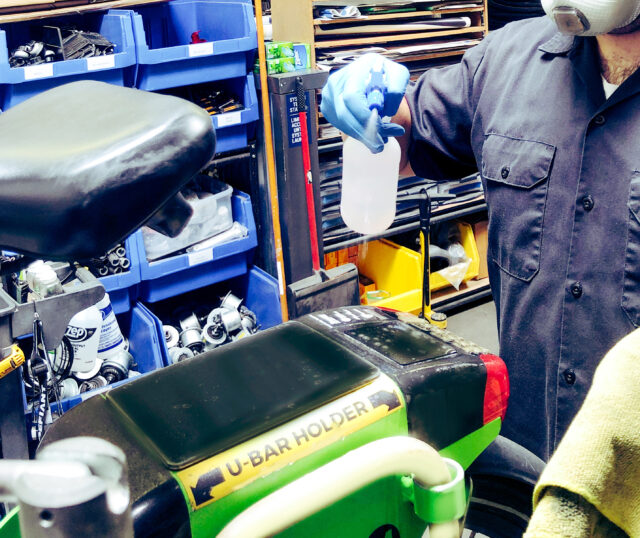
37 9
399 16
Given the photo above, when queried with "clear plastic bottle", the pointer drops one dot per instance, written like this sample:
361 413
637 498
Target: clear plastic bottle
44 281
369 186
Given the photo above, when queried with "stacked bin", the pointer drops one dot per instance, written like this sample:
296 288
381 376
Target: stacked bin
139 327
175 275
20 83
164 47
257 289
187 42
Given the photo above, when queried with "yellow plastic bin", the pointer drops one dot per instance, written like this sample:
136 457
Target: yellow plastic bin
398 270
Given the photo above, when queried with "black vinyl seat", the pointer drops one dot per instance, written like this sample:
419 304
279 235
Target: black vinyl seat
85 164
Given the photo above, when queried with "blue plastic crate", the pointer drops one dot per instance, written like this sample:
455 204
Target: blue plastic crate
122 288
234 129
139 326
259 292
167 56
20 83
179 274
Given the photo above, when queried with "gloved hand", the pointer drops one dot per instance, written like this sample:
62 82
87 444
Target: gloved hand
344 101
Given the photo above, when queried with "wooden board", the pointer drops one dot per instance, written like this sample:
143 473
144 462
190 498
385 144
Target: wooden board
399 16
375 40
53 11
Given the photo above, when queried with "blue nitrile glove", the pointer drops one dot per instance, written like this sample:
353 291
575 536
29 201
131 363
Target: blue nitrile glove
344 99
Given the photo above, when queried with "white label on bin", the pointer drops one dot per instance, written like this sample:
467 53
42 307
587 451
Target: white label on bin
101 62
230 118
200 256
201 49
32 72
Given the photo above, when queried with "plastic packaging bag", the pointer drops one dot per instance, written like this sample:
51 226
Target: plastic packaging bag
458 261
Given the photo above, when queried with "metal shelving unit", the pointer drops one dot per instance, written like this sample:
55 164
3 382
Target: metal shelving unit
293 20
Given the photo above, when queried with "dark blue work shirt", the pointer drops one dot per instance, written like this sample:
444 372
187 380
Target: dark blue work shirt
561 172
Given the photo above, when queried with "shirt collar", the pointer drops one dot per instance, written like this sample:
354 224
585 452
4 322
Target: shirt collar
559 44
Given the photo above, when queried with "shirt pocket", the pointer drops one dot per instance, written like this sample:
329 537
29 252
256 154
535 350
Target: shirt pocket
516 174
631 291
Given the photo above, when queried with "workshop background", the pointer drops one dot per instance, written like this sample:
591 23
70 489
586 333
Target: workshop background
225 277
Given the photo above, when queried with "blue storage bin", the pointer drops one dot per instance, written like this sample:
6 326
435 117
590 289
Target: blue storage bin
167 58
185 272
234 129
20 83
257 289
140 327
122 288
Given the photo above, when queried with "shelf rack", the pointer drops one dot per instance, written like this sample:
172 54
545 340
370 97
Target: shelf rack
293 20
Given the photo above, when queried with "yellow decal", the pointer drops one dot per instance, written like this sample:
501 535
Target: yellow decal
221 475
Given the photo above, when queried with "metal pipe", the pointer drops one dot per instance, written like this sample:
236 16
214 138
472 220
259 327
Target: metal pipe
341 477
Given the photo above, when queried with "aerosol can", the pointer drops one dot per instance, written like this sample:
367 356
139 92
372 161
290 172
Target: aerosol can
83 332
111 340
370 180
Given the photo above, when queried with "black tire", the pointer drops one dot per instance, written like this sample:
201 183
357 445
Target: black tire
499 508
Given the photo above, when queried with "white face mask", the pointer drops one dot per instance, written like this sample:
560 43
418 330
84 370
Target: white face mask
591 17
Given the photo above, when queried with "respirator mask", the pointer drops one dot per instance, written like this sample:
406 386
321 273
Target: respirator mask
591 17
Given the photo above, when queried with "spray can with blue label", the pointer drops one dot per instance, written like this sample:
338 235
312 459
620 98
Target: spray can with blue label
83 332
111 340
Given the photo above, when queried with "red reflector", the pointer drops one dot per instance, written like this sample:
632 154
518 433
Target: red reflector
496 392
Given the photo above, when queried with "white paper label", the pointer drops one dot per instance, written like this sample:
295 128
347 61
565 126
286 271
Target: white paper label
101 62
200 256
38 71
201 49
230 118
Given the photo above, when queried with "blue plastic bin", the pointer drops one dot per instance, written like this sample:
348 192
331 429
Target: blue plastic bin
167 56
140 327
122 288
259 292
179 274
234 129
20 83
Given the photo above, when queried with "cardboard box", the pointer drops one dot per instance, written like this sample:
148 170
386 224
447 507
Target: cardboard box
280 65
331 260
343 256
302 55
352 254
366 285
278 49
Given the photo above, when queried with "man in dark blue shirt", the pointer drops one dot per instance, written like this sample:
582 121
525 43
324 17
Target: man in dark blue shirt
551 119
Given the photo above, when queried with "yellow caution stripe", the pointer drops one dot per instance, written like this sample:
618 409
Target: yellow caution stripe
215 478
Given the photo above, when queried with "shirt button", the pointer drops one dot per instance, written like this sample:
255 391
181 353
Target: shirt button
576 290
587 202
599 120
569 376
505 172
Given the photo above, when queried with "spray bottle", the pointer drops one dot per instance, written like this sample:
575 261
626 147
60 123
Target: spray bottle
370 181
